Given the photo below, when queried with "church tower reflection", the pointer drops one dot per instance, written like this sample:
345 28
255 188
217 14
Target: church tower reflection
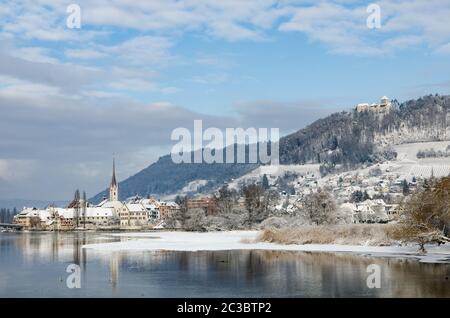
114 269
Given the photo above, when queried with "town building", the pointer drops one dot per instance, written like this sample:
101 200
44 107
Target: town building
133 214
209 204
168 208
53 218
110 212
371 211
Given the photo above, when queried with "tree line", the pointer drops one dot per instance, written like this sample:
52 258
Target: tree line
7 215
233 209
249 207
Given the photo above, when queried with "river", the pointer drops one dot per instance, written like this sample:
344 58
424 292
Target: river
35 264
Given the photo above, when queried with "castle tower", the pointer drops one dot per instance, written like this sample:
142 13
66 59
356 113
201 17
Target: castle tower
385 101
114 188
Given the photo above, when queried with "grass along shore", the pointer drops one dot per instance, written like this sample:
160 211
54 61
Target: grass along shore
349 234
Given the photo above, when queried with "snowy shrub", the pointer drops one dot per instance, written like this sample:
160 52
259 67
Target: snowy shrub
274 222
196 220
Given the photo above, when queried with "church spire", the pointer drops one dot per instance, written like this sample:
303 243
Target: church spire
113 180
113 188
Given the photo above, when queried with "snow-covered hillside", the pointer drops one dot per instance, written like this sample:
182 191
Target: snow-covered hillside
275 171
408 165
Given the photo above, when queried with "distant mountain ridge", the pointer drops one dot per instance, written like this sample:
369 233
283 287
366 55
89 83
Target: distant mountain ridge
165 177
341 138
21 203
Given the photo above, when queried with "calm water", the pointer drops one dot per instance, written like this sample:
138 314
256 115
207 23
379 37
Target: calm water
34 265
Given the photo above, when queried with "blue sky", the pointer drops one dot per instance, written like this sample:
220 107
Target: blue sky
134 71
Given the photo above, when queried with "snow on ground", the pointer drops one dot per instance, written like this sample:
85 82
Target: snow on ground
408 165
275 171
190 188
193 186
236 240
409 151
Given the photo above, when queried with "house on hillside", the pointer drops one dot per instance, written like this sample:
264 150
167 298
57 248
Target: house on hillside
371 211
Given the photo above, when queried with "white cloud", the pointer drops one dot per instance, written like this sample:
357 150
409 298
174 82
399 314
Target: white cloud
84 54
444 49
35 54
134 84
340 25
67 77
12 87
400 42
15 170
211 79
343 29
129 67
232 19
63 93
141 50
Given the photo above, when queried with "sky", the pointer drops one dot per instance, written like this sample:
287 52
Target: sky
72 98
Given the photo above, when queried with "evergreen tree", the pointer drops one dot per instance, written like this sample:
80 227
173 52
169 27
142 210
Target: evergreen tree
265 182
8 216
365 196
405 188
292 191
357 196
76 200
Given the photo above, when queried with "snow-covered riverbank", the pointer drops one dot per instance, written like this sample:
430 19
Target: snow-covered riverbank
238 240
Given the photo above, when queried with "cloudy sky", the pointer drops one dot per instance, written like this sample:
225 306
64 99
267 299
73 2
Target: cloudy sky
70 99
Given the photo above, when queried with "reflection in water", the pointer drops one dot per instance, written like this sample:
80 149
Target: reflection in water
113 268
33 265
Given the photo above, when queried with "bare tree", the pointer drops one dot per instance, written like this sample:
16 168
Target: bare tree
196 220
181 214
35 222
426 215
255 203
320 208
226 200
84 209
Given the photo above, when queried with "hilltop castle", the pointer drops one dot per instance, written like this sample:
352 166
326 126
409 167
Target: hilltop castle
383 107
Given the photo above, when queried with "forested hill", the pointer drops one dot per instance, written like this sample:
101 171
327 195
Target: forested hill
165 177
352 137
342 138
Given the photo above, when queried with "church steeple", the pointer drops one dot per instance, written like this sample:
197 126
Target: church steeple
114 188
113 180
